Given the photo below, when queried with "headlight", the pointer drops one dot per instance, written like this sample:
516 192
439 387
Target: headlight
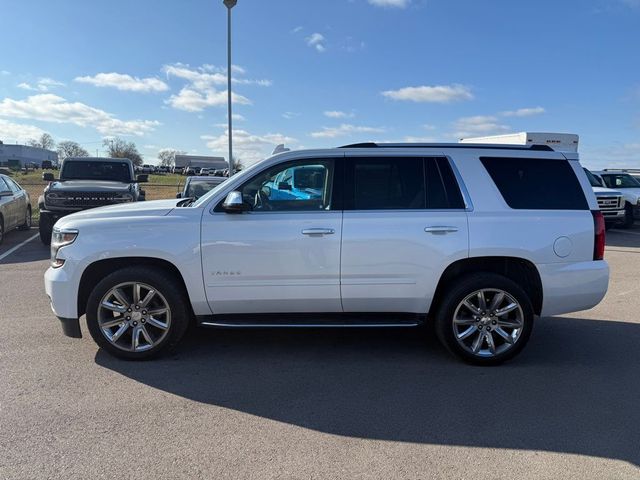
124 198
54 198
59 239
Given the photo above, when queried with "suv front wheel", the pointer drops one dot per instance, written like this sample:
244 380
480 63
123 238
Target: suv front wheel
485 319
137 312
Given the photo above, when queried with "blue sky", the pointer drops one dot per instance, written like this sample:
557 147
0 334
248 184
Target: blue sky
322 73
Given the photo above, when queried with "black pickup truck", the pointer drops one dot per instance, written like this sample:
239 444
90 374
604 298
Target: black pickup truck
85 183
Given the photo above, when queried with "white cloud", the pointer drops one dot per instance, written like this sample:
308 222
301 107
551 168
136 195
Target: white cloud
390 3
48 107
201 89
299 28
433 94
344 130
42 85
317 41
338 114
237 117
524 112
290 115
10 131
125 82
247 147
478 125
5 72
195 101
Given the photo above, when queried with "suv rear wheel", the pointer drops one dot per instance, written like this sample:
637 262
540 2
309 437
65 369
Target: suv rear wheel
485 319
137 313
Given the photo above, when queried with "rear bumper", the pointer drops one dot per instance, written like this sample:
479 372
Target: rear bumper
571 287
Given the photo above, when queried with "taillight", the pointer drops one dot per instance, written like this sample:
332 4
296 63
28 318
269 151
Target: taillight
599 235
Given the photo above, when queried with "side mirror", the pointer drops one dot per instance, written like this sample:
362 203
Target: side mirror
234 203
48 177
142 178
178 195
284 186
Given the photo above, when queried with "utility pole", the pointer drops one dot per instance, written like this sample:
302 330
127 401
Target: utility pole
229 4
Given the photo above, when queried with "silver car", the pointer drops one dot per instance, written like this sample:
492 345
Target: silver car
15 206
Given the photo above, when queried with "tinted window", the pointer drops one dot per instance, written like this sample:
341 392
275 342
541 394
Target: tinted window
3 185
385 183
536 184
304 185
620 180
443 191
593 181
13 186
87 170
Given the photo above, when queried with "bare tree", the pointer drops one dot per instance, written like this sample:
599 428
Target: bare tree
167 156
119 148
43 141
68 149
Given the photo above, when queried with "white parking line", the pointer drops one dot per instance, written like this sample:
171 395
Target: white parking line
11 250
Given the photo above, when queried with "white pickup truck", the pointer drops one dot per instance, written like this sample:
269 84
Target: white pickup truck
629 186
611 202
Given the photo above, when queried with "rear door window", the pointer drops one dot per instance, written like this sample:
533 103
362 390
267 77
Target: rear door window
536 183
401 183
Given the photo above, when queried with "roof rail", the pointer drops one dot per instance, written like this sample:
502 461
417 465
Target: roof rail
481 146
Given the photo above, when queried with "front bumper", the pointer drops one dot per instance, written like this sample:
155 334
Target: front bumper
62 294
613 215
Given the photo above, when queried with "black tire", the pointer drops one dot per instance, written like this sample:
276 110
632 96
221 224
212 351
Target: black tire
27 222
164 283
628 216
45 227
467 285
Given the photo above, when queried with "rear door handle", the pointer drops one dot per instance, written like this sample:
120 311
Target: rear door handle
318 231
441 229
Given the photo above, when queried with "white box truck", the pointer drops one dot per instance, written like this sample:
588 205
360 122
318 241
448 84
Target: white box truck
563 142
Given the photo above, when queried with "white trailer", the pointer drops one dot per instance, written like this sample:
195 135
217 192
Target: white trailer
563 142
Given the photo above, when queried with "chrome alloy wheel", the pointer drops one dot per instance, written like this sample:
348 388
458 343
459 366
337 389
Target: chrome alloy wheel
488 322
134 316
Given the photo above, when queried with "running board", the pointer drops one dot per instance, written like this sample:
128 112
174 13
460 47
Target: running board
305 320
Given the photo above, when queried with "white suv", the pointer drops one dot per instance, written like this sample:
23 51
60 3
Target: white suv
476 238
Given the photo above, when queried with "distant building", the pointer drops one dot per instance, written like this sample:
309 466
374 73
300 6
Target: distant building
24 155
200 161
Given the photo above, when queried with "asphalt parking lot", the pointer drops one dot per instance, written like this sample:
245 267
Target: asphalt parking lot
319 404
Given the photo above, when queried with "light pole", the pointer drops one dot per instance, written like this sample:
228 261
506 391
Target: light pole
229 4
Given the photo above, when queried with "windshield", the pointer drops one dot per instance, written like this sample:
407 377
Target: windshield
92 170
592 179
620 180
198 188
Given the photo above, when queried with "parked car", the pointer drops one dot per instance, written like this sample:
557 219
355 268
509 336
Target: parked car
611 202
15 207
196 186
148 169
47 165
629 186
191 171
465 236
84 183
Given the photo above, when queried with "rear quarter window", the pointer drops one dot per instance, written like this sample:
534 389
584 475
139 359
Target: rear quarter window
536 183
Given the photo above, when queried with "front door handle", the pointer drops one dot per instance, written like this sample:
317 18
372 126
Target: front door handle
318 231
441 229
